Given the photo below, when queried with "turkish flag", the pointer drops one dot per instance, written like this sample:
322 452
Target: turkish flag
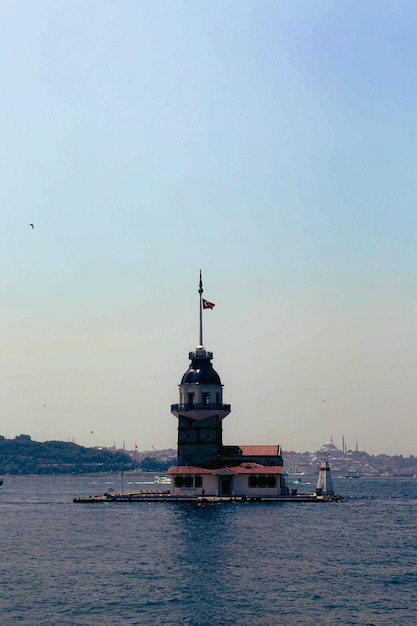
208 305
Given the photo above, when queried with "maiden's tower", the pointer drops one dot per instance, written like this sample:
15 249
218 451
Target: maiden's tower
205 465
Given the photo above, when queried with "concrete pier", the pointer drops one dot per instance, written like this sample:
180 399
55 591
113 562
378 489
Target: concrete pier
165 496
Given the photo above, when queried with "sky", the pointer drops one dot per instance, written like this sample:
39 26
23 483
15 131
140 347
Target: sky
271 145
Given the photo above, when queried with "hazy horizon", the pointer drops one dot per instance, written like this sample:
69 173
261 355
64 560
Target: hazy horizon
273 146
154 450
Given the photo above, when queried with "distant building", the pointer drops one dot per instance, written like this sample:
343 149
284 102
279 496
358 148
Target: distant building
205 465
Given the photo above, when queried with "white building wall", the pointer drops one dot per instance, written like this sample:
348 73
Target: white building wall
209 486
240 487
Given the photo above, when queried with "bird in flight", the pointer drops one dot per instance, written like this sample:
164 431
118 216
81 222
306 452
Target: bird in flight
32 226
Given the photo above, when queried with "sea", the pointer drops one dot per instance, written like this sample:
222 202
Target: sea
246 564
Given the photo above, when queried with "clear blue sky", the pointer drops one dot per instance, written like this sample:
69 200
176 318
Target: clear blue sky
271 144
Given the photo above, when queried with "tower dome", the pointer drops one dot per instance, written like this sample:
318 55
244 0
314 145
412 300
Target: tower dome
201 371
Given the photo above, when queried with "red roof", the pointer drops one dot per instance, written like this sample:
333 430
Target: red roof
244 468
189 469
260 450
257 468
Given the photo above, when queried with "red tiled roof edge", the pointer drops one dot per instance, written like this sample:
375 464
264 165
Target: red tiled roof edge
261 450
244 468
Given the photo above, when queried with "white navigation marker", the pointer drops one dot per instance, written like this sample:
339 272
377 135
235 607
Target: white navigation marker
325 483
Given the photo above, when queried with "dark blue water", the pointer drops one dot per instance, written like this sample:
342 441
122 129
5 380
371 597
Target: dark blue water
245 564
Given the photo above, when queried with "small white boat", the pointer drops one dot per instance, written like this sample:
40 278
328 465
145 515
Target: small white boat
163 480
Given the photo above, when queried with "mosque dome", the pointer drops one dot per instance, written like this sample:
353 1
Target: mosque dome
329 445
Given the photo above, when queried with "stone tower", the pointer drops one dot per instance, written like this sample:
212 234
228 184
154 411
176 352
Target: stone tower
200 410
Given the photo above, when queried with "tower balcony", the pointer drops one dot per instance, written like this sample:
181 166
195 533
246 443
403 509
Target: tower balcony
201 410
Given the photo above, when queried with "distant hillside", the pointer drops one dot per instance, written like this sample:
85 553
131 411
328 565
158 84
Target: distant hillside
21 455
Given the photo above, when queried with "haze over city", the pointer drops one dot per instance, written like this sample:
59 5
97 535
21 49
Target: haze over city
273 146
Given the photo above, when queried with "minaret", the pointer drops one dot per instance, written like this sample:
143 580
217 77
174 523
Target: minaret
200 410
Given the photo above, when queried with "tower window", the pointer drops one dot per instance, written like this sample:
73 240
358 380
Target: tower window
191 399
206 397
217 398
185 481
262 481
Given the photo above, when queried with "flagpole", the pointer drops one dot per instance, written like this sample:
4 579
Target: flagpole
200 291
